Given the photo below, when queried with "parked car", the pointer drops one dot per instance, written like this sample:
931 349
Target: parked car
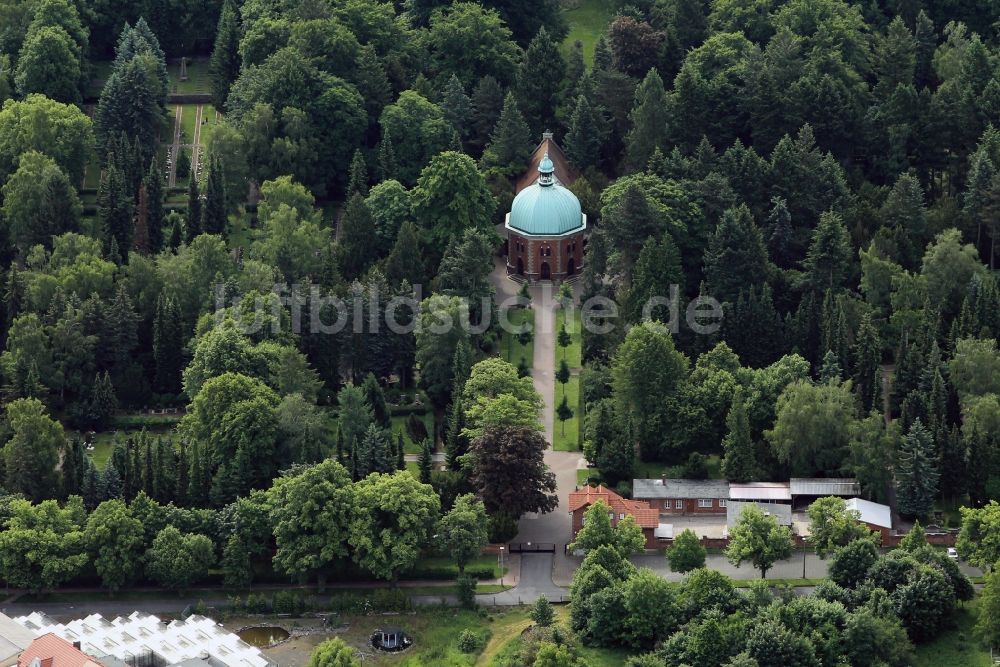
953 553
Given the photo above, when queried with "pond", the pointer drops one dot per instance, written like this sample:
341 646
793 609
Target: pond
263 636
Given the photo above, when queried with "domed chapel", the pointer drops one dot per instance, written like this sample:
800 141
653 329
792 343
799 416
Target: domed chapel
545 226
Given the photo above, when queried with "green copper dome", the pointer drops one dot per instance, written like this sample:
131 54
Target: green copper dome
545 210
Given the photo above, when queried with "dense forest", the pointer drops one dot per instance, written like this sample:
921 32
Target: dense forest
828 171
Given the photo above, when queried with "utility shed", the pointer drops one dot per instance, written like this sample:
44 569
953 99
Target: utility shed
766 492
807 489
782 513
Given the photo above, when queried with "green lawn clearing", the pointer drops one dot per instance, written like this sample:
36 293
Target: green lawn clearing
655 469
566 435
572 352
197 82
399 425
957 647
587 22
189 116
510 348
583 474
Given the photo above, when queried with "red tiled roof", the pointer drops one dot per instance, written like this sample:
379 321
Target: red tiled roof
54 651
645 516
565 172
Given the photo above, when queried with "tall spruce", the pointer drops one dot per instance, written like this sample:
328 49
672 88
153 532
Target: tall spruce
224 65
487 102
457 106
585 138
538 83
357 179
867 364
153 184
168 345
916 473
426 462
739 463
357 238
510 141
649 117
213 215
115 208
735 256
193 228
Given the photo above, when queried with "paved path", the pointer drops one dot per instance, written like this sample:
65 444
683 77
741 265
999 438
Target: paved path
175 147
555 526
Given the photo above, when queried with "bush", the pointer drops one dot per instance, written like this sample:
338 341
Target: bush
465 587
471 641
503 528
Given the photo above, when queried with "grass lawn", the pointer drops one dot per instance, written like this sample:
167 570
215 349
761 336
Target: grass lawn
587 23
566 435
506 642
510 349
399 425
955 648
188 117
197 81
583 474
653 470
572 352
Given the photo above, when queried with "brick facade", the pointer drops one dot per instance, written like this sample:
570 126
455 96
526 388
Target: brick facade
528 256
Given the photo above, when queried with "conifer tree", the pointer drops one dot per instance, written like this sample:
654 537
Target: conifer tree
456 444
510 141
404 262
145 445
576 69
426 462
153 184
917 473
224 65
649 121
539 79
103 402
193 228
457 106
375 399
830 372
133 472
586 133
867 363
214 211
829 258
182 478
602 55
167 345
739 463
115 209
140 233
111 482
199 477
780 241
735 255
357 180
357 238
176 223
487 101
400 452
372 83
564 413
387 165
163 471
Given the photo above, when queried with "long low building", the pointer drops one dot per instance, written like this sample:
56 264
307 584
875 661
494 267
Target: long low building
761 492
683 496
195 641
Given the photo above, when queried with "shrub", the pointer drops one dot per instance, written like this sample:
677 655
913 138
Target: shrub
471 641
466 590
